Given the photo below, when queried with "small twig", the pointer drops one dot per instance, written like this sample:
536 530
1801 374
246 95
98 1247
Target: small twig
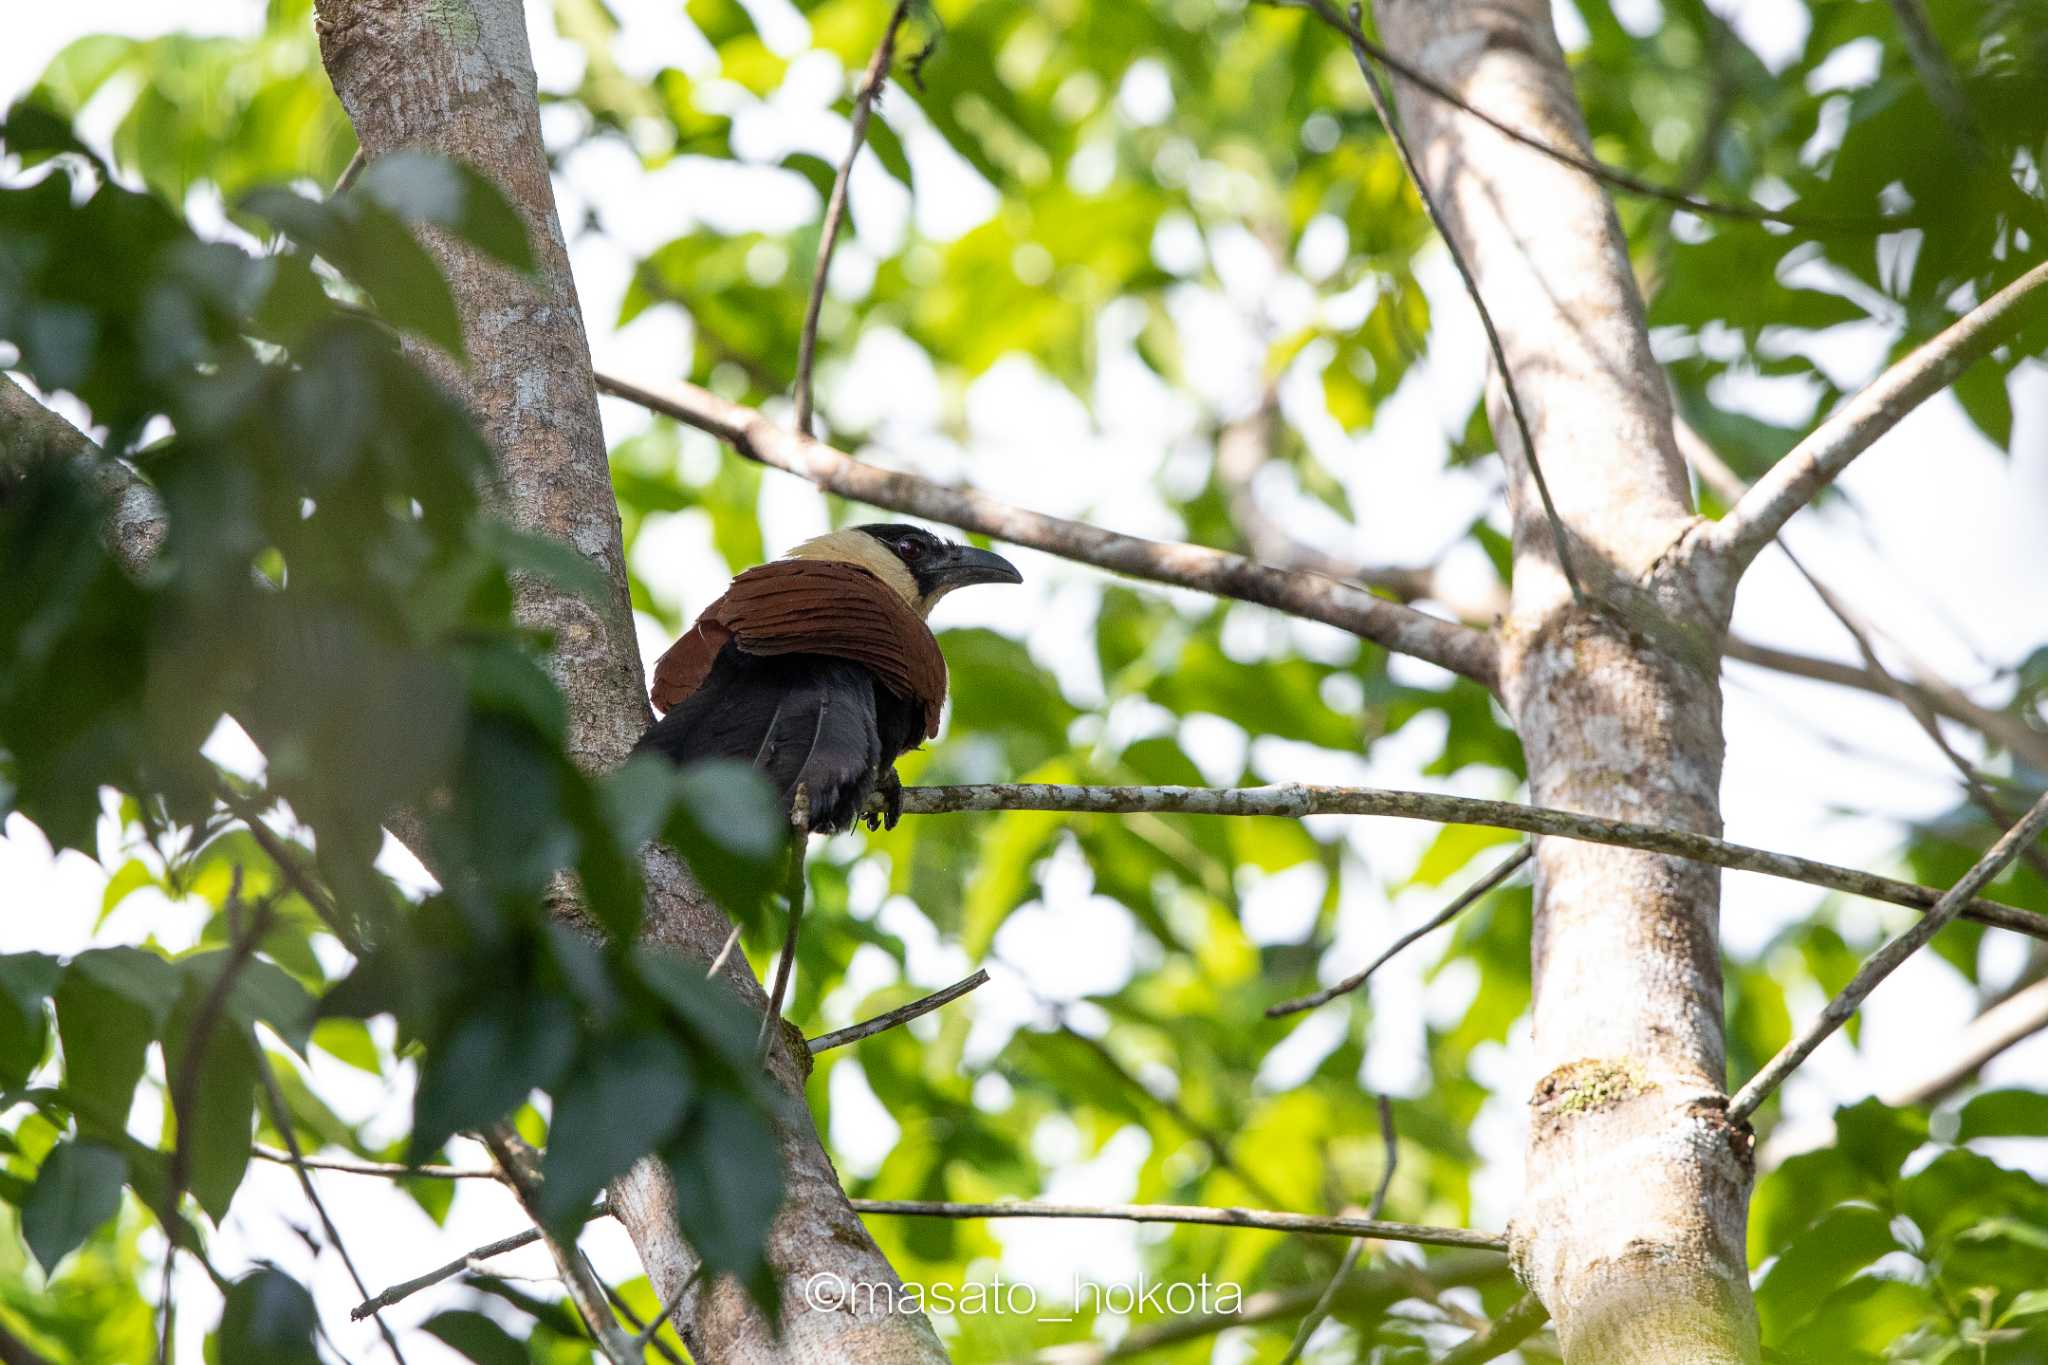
356 163
1884 961
391 1170
644 1333
1296 800
800 822
835 209
1217 1145
1321 1310
1509 1330
185 1085
281 1118
1470 894
901 1015
295 876
515 1158
718 963
405 1289
1598 170
650 1332
1264 1219
1443 229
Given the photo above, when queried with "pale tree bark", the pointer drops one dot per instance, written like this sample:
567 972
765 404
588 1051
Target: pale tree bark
1632 1230
456 77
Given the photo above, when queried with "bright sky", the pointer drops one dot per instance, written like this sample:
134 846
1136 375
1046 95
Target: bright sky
1947 554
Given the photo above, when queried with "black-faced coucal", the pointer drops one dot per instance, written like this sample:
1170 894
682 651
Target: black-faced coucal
818 668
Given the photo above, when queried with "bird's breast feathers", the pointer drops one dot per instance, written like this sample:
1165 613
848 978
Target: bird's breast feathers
812 606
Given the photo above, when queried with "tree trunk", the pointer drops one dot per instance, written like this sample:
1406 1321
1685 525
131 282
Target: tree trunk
456 77
1633 1229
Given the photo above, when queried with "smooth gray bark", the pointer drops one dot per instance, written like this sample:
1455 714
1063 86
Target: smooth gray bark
1632 1231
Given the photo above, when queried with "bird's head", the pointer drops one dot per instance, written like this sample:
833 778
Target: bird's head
917 564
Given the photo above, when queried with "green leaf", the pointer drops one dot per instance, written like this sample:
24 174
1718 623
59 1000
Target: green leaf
475 1336
106 1038
222 1109
506 1046
262 993
132 877
1842 1242
374 248
1982 391
545 557
77 1189
728 1178
728 825
624 1100
25 982
349 1041
2003 1113
269 1319
420 187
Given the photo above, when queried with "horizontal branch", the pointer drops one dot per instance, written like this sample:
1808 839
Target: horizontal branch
1885 961
1448 644
1810 466
1264 1220
1296 800
1363 1292
136 522
901 1015
2030 745
389 1170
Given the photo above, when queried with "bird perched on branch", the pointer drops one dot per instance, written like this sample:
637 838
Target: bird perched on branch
818 668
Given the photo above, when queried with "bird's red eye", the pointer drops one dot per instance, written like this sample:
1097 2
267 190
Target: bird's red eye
909 549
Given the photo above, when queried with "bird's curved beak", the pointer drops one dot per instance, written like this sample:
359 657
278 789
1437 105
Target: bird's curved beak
962 565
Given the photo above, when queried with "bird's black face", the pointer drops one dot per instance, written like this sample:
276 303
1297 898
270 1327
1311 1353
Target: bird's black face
939 566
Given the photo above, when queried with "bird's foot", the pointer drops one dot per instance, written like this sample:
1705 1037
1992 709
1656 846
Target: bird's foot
890 788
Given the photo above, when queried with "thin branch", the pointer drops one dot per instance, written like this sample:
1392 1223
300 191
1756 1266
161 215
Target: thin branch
2019 1016
1884 961
1217 1145
1729 485
1448 644
280 854
1367 1291
1380 106
718 963
1598 170
356 162
1295 800
1506 868
800 821
835 208
648 1333
1504 1334
281 1119
405 1289
515 1159
1798 478
1327 1300
2001 727
389 1170
15 1351
1263 1219
899 1016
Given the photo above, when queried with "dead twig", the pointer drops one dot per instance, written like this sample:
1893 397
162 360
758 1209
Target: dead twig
835 208
899 1016
1323 1304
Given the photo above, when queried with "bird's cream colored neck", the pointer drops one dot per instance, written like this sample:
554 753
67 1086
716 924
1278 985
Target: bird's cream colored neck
858 547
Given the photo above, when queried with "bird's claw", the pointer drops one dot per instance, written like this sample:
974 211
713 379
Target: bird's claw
890 788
